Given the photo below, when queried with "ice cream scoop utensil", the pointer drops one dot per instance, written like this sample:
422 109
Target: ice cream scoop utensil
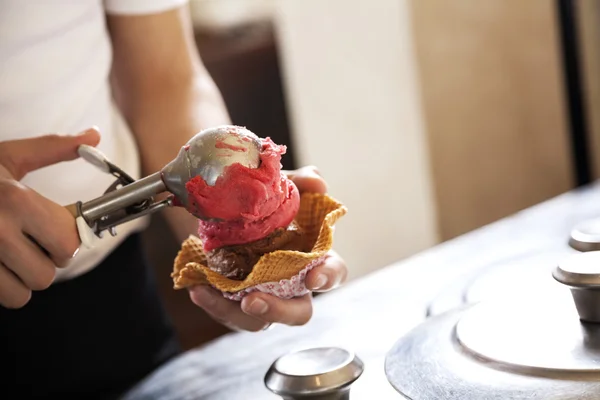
207 154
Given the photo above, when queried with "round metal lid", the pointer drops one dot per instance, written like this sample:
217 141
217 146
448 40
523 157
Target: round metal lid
313 371
533 338
543 333
539 346
580 270
586 236
428 364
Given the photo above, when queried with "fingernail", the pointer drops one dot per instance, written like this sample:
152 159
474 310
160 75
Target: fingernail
321 281
86 131
258 307
83 133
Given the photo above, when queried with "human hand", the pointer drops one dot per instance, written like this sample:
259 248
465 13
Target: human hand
257 310
26 215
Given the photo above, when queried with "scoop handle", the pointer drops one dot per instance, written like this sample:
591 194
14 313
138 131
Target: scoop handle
87 237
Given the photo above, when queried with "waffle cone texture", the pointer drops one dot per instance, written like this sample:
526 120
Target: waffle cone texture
317 216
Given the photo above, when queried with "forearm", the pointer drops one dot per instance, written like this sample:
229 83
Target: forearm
164 122
163 90
167 122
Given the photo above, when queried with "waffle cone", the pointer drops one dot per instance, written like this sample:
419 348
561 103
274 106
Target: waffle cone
317 215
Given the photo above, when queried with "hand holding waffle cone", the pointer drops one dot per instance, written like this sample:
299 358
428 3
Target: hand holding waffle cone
280 245
265 248
280 272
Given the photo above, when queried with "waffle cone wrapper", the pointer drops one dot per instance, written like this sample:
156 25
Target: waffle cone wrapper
280 273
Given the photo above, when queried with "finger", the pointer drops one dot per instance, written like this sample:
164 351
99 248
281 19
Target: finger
308 179
40 219
27 262
13 293
22 156
328 275
45 219
296 311
227 312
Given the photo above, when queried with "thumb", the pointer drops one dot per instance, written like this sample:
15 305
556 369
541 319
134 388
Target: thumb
307 179
22 156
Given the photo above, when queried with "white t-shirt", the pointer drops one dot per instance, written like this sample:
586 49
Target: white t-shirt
55 58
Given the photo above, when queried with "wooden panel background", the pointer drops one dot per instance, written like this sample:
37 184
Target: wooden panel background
493 96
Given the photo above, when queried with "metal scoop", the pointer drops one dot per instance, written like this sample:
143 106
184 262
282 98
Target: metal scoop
207 155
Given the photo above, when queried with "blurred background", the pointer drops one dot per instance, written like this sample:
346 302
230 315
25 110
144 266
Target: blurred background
428 118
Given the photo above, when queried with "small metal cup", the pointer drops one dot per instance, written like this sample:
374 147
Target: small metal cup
323 373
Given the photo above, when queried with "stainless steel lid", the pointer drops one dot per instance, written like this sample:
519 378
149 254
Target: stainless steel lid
586 236
546 347
582 274
581 270
545 334
429 363
315 371
530 339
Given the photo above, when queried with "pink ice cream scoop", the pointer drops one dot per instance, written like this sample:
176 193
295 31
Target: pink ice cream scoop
244 204
225 176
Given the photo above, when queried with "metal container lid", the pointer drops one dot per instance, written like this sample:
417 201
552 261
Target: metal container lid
547 347
586 236
581 273
582 270
314 371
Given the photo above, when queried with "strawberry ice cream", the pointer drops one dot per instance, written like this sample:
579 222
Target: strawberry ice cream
255 232
245 204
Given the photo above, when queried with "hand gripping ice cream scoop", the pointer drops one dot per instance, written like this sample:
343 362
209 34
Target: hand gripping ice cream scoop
207 154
